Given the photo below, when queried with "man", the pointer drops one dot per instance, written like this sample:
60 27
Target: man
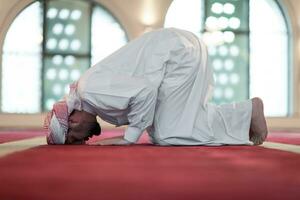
159 82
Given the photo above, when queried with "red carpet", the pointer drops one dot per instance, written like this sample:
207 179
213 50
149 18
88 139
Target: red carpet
8 136
283 137
150 172
112 133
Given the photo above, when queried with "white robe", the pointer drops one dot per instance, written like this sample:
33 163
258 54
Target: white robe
161 82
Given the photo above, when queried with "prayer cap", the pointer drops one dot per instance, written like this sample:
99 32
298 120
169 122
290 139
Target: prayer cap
56 123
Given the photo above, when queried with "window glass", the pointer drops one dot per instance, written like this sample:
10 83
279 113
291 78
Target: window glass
269 56
21 63
186 14
107 34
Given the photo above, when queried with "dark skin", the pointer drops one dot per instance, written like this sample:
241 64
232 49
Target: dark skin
79 124
258 128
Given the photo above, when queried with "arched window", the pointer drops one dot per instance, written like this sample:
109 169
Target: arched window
48 46
248 43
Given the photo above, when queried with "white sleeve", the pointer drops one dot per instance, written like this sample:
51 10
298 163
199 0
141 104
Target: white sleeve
113 91
141 113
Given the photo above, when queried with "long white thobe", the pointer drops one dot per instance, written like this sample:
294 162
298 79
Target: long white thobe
161 82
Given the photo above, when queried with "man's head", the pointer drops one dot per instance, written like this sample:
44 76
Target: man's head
73 128
82 126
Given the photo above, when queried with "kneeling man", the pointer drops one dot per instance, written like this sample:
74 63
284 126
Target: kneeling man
161 83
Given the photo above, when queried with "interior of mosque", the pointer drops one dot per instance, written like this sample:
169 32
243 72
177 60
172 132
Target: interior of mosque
46 45
254 50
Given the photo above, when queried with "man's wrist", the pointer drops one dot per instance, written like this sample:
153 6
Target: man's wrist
132 134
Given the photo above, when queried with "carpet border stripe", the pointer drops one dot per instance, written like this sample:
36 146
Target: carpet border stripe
21 145
282 146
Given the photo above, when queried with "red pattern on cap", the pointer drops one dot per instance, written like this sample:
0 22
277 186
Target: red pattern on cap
61 111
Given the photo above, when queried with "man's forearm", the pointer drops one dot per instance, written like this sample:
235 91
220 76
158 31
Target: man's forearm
119 140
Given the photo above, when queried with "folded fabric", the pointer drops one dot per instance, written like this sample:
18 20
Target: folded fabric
56 123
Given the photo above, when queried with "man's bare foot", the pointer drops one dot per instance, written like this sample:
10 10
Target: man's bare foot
258 127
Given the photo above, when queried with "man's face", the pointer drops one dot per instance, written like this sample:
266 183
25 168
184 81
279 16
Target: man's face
78 129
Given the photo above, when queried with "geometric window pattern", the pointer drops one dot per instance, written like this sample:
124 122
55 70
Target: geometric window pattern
226 27
59 50
241 47
66 46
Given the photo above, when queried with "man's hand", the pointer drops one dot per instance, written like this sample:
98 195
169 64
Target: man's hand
119 140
